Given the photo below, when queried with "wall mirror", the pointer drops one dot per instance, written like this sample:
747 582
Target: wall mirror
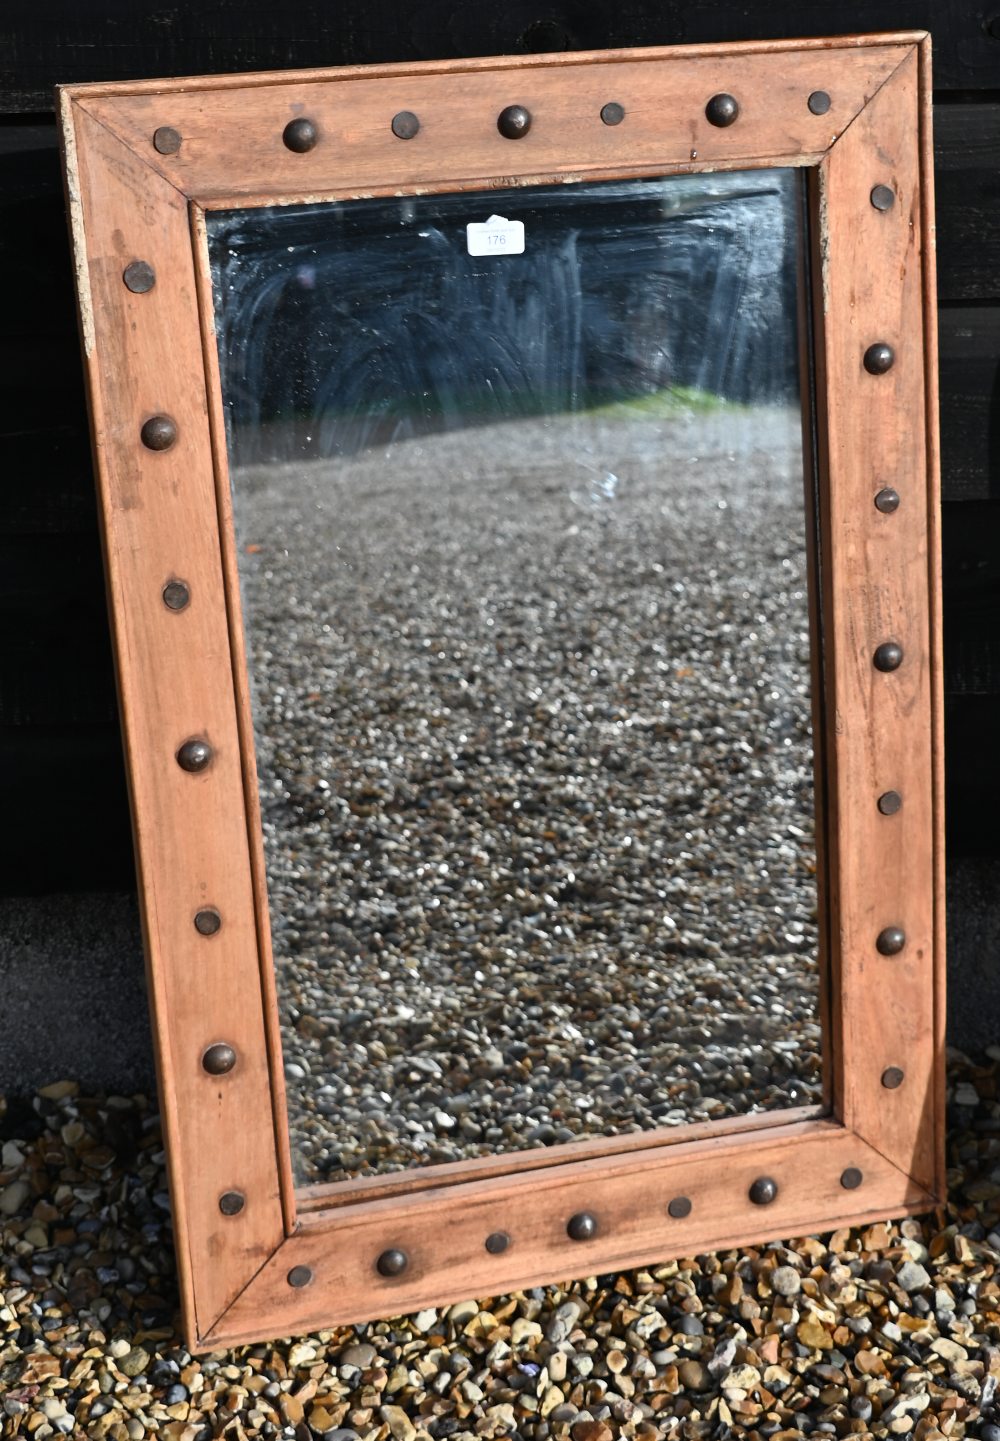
519 483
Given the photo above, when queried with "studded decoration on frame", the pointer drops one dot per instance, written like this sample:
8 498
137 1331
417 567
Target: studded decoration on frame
366 815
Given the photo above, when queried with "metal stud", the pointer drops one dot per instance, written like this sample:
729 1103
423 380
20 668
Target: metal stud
612 113
300 1276
231 1203
208 922
819 102
139 277
159 432
887 500
582 1226
392 1262
763 1191
219 1059
166 140
514 122
722 110
889 803
497 1243
851 1178
405 125
679 1207
883 197
300 135
194 755
890 941
889 656
176 595
892 1077
879 358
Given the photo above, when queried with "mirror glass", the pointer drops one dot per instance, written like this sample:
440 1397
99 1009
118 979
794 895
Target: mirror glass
523 531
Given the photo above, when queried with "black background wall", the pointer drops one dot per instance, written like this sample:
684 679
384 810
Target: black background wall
70 965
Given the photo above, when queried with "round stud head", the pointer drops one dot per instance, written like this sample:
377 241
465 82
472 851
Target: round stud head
763 1191
194 755
582 1226
851 1178
166 140
208 922
300 135
722 110
883 197
890 802
889 656
300 1276
890 941
159 432
679 1207
219 1059
887 500
514 122
176 595
392 1262
819 102
879 358
892 1077
497 1243
612 113
405 125
139 277
231 1203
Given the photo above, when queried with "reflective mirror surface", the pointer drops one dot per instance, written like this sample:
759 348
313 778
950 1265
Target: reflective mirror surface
523 544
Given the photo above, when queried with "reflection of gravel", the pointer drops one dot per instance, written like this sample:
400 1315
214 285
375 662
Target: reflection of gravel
533 728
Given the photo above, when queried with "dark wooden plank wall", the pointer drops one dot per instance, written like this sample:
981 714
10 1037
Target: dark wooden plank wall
62 789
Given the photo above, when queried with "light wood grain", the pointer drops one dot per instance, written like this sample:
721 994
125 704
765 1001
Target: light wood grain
879 726
443 1233
175 682
244 718
424 1178
232 146
934 1120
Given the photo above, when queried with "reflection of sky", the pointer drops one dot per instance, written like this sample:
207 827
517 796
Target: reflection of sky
343 325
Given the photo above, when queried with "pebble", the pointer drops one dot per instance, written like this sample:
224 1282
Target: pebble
13 1197
911 1276
362 1355
786 1281
564 1318
591 1431
693 1375
400 1425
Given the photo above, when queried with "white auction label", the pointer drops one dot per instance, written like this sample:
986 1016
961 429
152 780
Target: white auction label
496 236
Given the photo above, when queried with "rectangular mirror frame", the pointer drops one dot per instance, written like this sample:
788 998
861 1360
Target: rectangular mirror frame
144 163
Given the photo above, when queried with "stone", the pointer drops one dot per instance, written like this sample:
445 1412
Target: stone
399 1424
786 1281
135 1362
692 1375
814 1334
591 1431
911 1276
361 1355
13 1197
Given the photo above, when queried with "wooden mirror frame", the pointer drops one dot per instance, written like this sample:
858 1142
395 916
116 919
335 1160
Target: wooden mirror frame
143 163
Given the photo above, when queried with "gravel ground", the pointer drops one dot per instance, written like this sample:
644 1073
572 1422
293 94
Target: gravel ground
887 1330
533 721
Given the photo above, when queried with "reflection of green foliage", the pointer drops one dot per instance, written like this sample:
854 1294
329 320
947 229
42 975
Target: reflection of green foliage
669 403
